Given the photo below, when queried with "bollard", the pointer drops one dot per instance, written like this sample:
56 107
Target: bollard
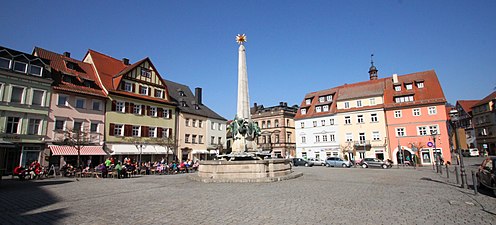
447 171
441 169
474 181
457 175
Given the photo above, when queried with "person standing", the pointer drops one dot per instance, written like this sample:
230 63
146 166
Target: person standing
118 168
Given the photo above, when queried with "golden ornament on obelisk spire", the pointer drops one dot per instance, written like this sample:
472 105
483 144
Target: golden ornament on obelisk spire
241 38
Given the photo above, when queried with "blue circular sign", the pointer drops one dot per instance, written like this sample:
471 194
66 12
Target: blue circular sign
430 144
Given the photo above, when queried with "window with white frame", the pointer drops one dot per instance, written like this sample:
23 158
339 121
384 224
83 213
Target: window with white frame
360 119
219 140
193 123
322 122
329 98
153 111
314 123
137 109
324 138
159 93
400 132
59 124
359 103
128 86
38 97
372 101
325 108
408 86
200 123
397 114
96 105
397 87
432 110
167 115
349 137
303 111
94 127
212 140
416 112
144 90
17 94
347 120
35 70
152 132
308 101
118 129
422 131
373 117
276 123
317 138
321 99
77 126
332 137
302 124
34 126
119 106
136 131
146 73
403 99
186 122
420 84
331 121
376 136
2 86
20 66
263 124
12 126
318 109
434 129
62 100
346 105
303 139
80 102
220 126
5 63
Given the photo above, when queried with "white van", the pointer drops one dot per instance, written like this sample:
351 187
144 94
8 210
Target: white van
473 152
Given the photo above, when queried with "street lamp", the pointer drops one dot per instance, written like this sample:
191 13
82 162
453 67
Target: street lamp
436 155
140 145
454 118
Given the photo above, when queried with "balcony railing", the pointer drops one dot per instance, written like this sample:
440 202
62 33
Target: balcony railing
362 143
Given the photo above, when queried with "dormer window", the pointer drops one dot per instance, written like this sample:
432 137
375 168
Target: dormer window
308 101
181 93
67 78
359 103
128 87
329 98
408 86
5 63
197 107
183 104
397 87
400 99
87 83
347 105
20 66
318 109
159 93
146 73
144 90
325 108
420 84
321 99
303 111
35 70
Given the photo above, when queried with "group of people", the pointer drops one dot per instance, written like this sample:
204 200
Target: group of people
157 167
35 170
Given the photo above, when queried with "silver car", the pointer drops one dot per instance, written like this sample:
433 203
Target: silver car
317 162
337 162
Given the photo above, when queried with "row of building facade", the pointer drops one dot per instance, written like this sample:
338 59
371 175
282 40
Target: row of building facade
52 104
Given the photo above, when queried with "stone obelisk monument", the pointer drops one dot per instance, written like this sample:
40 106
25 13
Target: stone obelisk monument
243 129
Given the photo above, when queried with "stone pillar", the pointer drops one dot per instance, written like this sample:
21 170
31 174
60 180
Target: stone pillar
243 107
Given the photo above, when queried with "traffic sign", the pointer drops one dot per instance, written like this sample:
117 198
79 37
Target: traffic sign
430 144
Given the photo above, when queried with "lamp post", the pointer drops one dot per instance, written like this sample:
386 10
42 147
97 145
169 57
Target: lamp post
140 146
463 174
436 154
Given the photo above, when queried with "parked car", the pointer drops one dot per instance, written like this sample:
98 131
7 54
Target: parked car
317 162
486 175
301 162
373 162
473 152
336 161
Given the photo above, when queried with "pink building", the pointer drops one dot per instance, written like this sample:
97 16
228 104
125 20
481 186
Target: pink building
416 117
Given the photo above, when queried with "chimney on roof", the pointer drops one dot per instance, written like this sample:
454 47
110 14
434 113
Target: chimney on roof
281 103
125 61
198 95
395 78
67 54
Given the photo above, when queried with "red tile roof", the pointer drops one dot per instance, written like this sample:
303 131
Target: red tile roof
111 72
467 104
485 100
315 101
431 93
362 89
85 71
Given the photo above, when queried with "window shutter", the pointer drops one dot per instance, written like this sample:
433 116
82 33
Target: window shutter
131 107
128 130
134 88
111 129
127 107
169 132
139 89
144 131
123 86
143 110
159 132
149 91
160 112
170 113
113 105
155 93
148 113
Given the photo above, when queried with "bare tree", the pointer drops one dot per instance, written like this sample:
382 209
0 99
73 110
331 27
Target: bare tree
169 143
77 139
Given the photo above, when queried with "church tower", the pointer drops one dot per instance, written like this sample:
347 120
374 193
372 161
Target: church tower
372 69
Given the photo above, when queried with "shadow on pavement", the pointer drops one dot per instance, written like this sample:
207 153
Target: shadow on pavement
21 202
438 181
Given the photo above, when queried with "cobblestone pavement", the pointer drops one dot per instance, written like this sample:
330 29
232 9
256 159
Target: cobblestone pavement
321 196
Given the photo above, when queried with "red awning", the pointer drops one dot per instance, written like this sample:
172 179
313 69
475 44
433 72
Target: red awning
70 150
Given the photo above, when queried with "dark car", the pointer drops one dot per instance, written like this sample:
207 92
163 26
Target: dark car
336 161
373 162
486 175
301 162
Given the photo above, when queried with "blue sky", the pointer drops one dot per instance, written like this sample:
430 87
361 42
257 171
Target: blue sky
294 47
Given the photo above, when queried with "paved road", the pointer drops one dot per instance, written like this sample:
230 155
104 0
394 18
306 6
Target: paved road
322 196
